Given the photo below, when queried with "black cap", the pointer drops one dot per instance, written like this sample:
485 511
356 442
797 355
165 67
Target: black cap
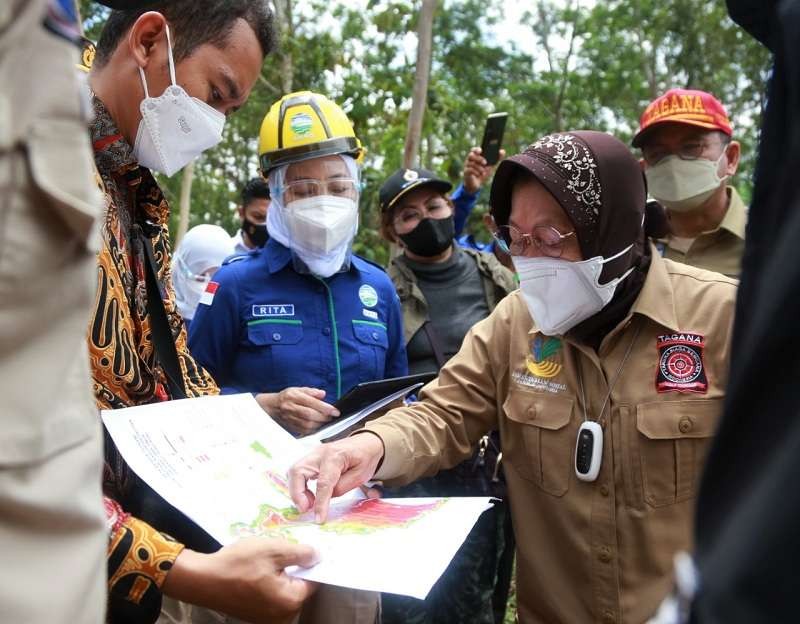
404 180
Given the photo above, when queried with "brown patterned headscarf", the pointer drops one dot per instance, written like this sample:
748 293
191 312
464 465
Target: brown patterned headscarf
600 186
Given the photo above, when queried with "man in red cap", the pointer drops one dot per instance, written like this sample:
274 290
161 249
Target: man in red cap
688 155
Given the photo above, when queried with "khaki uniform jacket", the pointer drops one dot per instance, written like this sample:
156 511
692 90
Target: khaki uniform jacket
497 280
599 551
720 250
52 534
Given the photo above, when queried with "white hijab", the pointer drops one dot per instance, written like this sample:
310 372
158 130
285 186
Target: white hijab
323 265
201 250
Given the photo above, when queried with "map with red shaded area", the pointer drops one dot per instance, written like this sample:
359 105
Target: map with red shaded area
364 517
373 514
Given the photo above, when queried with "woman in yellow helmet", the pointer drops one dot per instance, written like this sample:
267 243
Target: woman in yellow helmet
303 320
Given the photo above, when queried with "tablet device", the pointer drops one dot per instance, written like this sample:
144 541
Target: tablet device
365 394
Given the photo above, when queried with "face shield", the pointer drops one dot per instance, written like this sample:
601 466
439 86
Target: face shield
198 256
314 212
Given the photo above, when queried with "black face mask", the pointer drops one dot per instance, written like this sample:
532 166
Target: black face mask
256 232
431 237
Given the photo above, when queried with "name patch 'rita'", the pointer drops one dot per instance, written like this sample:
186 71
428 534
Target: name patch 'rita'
680 363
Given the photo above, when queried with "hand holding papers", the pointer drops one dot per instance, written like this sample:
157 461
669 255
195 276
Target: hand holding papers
368 400
223 463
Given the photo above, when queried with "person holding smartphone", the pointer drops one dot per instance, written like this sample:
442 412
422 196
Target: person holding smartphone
479 165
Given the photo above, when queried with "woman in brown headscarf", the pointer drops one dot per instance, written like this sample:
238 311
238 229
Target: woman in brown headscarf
594 182
605 374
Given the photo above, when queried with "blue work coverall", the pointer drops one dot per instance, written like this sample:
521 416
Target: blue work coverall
261 326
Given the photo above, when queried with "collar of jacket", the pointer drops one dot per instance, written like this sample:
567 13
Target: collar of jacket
278 256
488 266
735 219
112 152
405 282
656 300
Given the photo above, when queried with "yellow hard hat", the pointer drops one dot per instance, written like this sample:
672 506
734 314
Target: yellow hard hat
304 125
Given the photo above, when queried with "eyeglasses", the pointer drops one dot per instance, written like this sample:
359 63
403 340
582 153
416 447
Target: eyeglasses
337 187
544 238
688 151
407 218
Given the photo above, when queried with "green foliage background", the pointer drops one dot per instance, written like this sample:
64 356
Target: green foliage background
362 54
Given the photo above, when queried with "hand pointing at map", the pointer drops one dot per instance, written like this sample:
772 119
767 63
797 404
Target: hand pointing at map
338 467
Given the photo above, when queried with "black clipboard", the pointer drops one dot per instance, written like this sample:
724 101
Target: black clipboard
365 394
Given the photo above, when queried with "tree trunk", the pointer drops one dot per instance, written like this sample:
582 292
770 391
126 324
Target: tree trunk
285 26
184 203
420 93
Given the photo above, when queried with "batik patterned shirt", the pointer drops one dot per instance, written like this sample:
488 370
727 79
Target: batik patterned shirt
124 367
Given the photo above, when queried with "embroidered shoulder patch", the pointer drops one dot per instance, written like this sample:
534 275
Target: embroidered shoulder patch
680 363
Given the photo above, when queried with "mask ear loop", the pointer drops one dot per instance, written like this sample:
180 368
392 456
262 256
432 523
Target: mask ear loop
169 56
144 83
171 65
617 255
614 257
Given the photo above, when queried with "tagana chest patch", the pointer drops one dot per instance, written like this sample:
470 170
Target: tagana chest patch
680 363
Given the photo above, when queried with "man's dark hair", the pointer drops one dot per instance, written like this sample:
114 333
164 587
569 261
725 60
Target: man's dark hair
192 24
256 188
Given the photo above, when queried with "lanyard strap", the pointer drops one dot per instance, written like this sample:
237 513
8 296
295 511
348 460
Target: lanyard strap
160 332
613 382
436 346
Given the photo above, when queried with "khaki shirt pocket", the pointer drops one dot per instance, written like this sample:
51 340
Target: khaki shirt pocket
62 167
673 440
540 440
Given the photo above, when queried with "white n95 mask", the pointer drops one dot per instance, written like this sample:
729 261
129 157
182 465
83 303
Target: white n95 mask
322 224
683 185
175 127
560 294
321 229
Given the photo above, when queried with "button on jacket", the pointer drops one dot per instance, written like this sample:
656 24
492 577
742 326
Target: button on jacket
598 551
268 327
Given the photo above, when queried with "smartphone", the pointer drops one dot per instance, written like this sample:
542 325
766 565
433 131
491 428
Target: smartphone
493 137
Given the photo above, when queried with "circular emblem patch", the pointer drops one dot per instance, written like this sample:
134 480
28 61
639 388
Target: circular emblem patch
87 55
301 123
368 296
681 364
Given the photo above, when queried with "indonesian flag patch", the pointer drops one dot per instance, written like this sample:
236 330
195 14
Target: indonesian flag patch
680 363
207 297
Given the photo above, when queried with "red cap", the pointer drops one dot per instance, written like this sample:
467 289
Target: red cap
687 106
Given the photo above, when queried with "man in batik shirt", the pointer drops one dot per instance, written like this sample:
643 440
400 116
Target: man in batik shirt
204 58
